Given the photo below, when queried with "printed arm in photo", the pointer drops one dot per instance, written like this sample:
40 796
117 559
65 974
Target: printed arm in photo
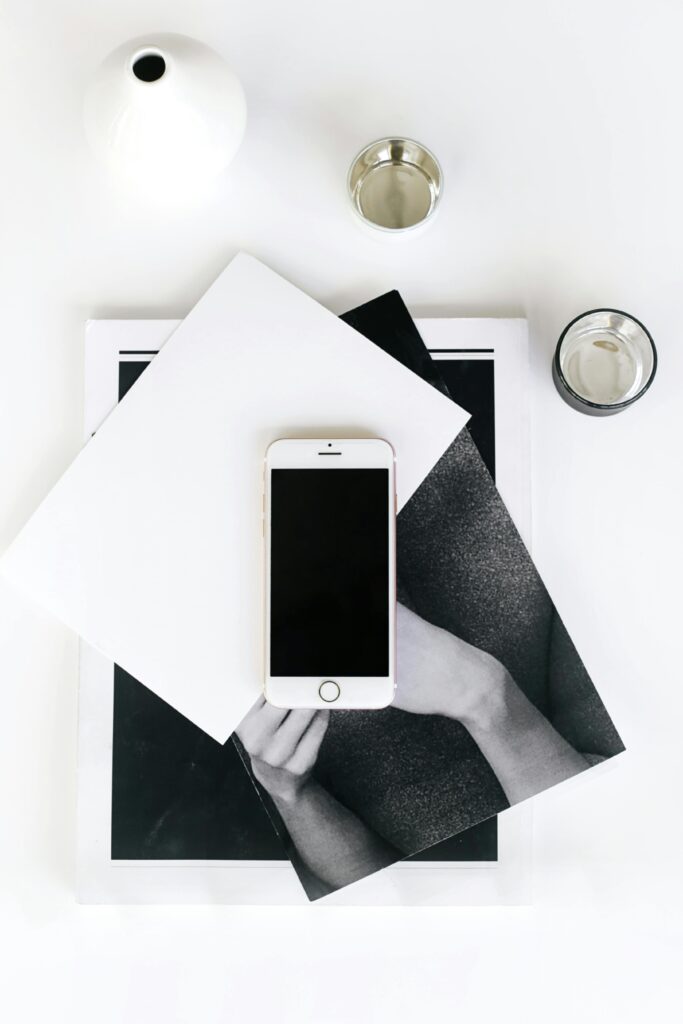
333 843
439 674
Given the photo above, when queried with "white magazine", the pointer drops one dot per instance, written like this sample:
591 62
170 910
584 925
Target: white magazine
256 359
101 879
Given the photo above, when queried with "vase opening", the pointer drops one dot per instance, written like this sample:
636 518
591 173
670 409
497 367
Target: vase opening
149 66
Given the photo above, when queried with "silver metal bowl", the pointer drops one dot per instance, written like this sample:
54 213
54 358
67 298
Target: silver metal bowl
395 184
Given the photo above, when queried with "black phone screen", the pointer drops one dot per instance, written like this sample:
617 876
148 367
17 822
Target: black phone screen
329 572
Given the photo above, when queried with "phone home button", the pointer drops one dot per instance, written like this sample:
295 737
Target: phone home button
329 690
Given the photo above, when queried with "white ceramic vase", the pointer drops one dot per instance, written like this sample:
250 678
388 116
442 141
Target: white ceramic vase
165 112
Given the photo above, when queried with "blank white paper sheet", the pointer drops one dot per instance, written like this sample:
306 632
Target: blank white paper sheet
149 545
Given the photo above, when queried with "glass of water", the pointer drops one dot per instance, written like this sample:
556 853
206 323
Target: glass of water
605 361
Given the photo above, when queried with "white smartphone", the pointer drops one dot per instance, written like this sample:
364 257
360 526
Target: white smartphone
330 573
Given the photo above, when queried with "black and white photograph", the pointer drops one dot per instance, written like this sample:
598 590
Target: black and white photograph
493 704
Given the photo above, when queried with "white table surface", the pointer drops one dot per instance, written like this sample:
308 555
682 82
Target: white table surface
559 129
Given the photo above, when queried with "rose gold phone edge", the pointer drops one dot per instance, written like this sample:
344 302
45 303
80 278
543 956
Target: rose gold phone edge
356 693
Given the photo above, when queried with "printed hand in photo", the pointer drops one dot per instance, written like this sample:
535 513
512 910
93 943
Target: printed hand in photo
333 843
439 674
283 747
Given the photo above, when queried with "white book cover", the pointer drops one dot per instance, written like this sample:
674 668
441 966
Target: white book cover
116 861
149 545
